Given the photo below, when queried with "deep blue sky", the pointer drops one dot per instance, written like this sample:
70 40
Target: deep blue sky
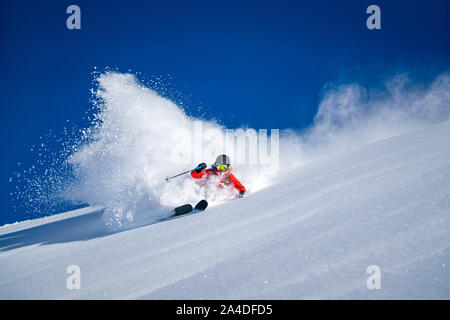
261 63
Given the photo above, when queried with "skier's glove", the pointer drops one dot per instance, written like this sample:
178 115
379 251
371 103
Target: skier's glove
202 166
241 194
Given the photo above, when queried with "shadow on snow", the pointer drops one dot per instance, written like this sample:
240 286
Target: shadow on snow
79 228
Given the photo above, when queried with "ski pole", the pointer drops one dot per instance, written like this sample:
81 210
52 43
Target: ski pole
168 178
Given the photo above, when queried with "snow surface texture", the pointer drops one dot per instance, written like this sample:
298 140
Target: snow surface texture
311 234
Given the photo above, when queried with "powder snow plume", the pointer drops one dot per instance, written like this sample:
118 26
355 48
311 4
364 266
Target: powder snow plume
138 137
131 148
350 116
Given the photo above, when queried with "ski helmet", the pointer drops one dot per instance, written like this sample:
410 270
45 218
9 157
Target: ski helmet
223 159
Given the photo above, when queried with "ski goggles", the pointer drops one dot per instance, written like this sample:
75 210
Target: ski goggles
221 167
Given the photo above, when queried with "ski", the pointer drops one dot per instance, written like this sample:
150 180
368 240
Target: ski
186 208
201 206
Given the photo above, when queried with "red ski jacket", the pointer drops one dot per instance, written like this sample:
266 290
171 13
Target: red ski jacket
227 178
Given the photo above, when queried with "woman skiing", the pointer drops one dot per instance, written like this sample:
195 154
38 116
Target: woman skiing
222 169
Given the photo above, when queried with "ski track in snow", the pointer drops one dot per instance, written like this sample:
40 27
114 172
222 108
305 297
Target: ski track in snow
310 235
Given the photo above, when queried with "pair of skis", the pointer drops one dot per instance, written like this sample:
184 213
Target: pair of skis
187 208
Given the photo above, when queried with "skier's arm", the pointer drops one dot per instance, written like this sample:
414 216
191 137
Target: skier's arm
237 184
199 173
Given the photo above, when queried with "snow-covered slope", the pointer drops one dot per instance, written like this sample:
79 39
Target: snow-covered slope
312 234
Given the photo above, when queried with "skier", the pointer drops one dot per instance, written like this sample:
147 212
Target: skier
222 169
